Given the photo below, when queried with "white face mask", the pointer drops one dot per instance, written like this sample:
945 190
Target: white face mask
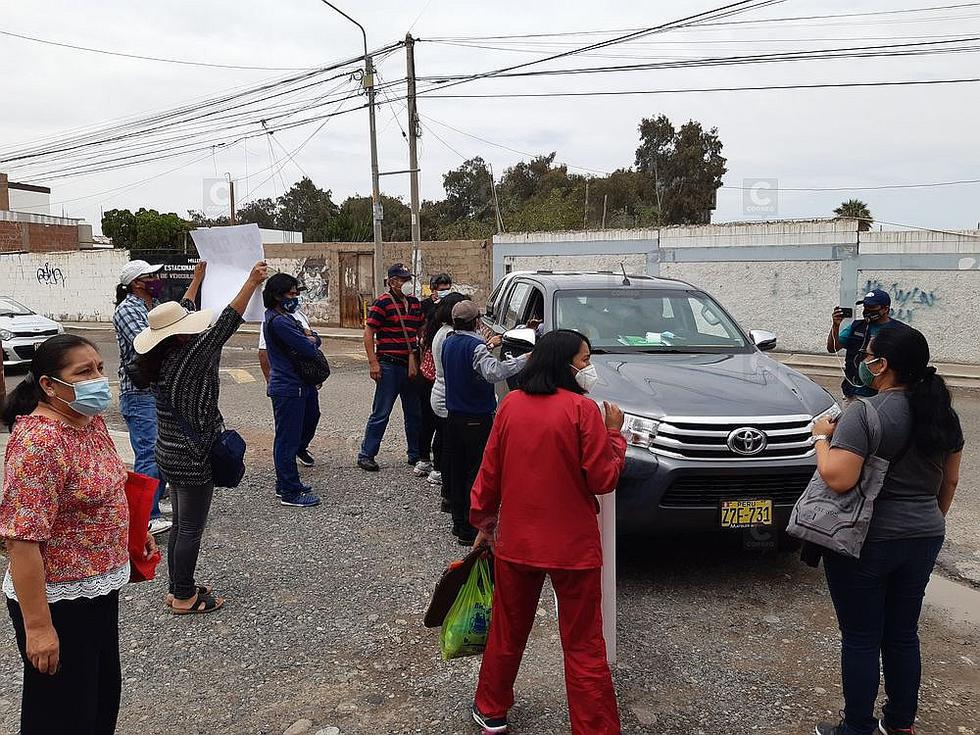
586 378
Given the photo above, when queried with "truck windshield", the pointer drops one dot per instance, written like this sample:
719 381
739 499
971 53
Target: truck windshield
648 320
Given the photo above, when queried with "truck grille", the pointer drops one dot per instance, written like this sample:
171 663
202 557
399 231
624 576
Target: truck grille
707 491
42 333
760 438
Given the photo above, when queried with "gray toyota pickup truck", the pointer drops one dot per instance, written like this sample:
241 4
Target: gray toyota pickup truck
718 432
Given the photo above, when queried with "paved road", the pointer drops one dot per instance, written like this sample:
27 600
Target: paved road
323 620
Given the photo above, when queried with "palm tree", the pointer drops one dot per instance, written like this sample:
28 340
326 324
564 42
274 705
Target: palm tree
856 209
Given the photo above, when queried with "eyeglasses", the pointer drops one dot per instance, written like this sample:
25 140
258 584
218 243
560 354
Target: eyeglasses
864 354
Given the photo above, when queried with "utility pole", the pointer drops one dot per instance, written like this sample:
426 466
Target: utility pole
231 201
605 201
368 83
413 157
495 201
379 269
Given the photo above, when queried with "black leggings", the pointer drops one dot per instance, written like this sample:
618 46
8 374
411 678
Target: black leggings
83 697
430 440
191 508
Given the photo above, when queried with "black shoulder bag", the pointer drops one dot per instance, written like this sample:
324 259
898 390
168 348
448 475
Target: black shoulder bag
227 452
312 370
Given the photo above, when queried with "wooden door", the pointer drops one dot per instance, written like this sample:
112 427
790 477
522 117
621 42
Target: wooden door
356 287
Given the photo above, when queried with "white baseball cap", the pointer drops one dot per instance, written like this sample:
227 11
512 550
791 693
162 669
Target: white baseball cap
136 268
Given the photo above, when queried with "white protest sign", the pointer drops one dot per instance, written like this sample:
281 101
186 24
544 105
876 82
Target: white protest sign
231 253
607 534
607 531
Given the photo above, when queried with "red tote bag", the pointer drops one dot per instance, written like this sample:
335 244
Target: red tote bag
139 494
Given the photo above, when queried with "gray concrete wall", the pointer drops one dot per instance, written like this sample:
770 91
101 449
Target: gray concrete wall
794 300
787 276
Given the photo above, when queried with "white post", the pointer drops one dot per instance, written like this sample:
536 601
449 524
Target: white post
607 531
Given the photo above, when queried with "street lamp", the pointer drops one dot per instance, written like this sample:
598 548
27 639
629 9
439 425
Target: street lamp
368 83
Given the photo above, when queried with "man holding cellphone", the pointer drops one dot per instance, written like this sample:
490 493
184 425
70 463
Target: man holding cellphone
854 338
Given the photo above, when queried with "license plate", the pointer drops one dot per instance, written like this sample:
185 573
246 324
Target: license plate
746 513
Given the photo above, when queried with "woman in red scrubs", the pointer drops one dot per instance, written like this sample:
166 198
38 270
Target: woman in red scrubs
551 451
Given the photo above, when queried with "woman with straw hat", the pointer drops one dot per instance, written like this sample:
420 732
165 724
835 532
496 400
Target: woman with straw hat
179 355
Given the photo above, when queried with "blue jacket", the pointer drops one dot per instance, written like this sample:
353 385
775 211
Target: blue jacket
467 392
282 331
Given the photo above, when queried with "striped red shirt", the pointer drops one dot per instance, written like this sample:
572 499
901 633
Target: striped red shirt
387 316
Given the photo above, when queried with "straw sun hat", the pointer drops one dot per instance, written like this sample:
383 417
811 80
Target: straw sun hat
168 319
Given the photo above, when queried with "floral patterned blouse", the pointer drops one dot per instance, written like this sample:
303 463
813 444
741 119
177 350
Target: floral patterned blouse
64 487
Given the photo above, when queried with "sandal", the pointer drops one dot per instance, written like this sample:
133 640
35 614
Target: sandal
168 601
205 603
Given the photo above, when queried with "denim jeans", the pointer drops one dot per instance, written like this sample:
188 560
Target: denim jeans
296 420
394 383
139 410
878 599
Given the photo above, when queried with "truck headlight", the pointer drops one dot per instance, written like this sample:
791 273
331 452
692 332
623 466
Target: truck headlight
6 334
639 431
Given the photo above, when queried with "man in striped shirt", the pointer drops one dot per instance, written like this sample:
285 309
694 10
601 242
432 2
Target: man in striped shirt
390 337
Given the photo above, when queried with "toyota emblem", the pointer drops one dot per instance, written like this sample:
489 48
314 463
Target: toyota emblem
747 441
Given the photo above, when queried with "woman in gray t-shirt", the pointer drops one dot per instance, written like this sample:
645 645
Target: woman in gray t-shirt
878 597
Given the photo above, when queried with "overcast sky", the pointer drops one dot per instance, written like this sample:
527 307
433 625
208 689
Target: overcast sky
803 138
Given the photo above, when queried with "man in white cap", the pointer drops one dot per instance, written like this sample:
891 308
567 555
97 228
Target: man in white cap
137 292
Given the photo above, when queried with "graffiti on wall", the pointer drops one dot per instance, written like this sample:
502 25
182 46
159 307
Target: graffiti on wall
905 301
314 273
49 275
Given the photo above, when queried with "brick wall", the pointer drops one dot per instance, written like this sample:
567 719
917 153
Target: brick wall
469 262
37 238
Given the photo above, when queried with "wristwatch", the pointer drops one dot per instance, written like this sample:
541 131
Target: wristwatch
819 438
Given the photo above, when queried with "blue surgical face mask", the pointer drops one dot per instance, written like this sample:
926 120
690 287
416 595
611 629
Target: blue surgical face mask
291 305
91 396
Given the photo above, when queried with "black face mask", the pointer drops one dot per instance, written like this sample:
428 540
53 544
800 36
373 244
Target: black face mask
874 316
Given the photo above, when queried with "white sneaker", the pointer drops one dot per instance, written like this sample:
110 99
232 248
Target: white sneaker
159 525
422 468
434 478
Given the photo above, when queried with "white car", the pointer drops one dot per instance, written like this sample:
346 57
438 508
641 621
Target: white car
21 330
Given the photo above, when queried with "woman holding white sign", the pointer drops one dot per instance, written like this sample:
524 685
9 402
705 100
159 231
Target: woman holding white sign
179 355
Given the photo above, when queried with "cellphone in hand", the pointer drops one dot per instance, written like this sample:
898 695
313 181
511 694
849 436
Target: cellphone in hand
846 311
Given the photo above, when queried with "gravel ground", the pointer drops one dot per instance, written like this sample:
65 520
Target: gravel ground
322 629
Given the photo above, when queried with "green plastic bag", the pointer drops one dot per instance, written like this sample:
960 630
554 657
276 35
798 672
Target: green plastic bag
464 631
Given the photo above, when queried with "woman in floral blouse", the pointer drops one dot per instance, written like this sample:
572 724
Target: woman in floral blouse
65 520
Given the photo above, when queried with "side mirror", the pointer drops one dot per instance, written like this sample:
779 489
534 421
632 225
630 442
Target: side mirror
764 340
520 338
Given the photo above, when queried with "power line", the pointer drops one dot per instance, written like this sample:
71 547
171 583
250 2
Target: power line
508 148
928 185
688 90
182 62
721 12
561 34
918 48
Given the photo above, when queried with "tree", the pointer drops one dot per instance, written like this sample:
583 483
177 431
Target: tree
303 205
262 212
858 210
199 219
156 231
119 225
469 191
685 166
